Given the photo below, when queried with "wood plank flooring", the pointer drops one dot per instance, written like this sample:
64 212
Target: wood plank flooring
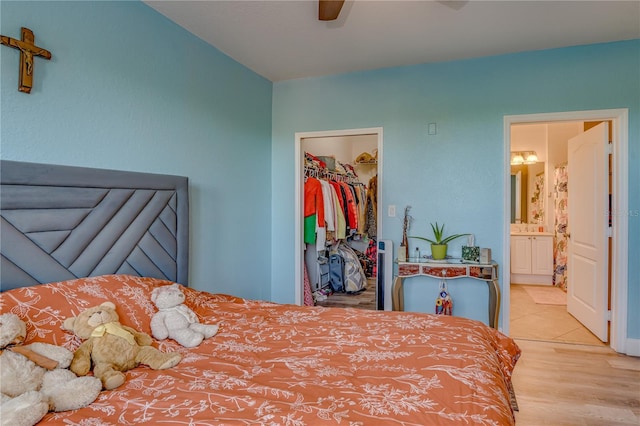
363 300
575 384
566 375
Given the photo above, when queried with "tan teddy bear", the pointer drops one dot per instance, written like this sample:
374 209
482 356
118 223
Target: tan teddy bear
112 348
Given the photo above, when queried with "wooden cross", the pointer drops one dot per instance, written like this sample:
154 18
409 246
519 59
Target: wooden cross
28 50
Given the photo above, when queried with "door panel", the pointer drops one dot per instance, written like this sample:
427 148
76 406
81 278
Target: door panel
542 258
588 168
520 255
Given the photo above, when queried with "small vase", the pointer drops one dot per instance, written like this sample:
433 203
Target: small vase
438 251
403 253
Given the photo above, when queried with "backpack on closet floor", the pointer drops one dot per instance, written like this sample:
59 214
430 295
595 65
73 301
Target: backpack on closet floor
336 272
354 279
324 278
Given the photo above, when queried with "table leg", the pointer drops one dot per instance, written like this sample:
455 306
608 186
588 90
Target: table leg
494 303
397 299
397 294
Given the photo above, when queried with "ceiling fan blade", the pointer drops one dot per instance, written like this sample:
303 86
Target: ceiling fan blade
328 10
454 4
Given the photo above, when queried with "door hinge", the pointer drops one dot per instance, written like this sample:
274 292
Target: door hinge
609 315
609 148
610 232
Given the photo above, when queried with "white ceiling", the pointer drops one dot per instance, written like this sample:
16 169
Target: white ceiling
283 40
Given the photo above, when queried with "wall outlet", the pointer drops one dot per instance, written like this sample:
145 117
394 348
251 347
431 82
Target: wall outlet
391 211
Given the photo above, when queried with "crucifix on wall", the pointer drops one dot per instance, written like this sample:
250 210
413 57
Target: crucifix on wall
28 50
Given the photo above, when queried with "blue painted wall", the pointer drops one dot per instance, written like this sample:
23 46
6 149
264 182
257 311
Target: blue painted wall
128 89
455 176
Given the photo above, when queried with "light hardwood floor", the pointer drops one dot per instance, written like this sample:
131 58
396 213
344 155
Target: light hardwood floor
575 384
363 300
565 375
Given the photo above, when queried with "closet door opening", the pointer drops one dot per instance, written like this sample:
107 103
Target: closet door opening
337 217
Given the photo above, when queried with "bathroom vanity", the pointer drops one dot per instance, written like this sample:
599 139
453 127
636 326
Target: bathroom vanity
531 258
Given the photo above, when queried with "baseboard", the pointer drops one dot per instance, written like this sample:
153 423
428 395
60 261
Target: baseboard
632 347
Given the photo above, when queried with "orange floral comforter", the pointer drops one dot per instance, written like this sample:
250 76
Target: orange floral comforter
274 364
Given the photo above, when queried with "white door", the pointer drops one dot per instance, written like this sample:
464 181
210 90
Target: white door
588 187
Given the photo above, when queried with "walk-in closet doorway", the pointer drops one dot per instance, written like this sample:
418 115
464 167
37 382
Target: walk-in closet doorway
346 146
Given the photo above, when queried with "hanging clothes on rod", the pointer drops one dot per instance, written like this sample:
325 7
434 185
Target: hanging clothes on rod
334 213
343 203
314 220
371 208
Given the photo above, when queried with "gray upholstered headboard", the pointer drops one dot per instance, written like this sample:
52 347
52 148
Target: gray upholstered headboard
60 223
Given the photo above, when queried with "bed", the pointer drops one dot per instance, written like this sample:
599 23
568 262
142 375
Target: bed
272 364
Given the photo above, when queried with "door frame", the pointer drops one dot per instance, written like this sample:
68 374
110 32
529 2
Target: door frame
620 205
299 194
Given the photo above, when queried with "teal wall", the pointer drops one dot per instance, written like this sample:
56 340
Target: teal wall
457 175
128 89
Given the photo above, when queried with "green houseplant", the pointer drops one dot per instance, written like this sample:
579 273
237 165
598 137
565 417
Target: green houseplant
439 242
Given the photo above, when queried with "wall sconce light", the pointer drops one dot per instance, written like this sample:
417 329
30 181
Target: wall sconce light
523 157
531 158
516 159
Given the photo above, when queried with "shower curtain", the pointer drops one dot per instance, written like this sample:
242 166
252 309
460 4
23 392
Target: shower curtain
560 227
537 200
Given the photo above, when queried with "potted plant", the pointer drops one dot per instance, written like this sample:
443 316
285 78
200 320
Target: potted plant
439 242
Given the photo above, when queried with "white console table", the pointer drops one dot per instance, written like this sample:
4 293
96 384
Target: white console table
448 269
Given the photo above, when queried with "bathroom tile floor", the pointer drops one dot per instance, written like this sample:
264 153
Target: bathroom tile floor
533 321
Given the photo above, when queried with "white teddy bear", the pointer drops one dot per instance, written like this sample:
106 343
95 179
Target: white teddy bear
29 390
175 320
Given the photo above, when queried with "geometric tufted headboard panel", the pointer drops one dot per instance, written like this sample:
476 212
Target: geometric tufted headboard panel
63 222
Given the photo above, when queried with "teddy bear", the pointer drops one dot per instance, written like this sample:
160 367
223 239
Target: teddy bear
112 348
175 320
34 378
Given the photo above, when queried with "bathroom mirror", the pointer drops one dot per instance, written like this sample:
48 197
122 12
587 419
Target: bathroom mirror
527 193
516 196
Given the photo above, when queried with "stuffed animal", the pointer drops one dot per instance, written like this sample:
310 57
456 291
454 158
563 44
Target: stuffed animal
175 320
111 347
444 303
29 390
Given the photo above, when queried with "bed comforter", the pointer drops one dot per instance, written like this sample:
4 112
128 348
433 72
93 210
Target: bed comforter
277 364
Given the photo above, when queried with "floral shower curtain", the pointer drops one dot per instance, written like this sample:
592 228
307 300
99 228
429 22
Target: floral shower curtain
560 227
537 200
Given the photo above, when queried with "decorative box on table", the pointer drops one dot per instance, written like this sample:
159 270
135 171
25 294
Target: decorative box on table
471 253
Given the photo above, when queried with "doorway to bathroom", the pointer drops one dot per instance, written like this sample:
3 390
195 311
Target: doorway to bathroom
540 222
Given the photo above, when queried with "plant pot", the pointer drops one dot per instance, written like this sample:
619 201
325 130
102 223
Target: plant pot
438 251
